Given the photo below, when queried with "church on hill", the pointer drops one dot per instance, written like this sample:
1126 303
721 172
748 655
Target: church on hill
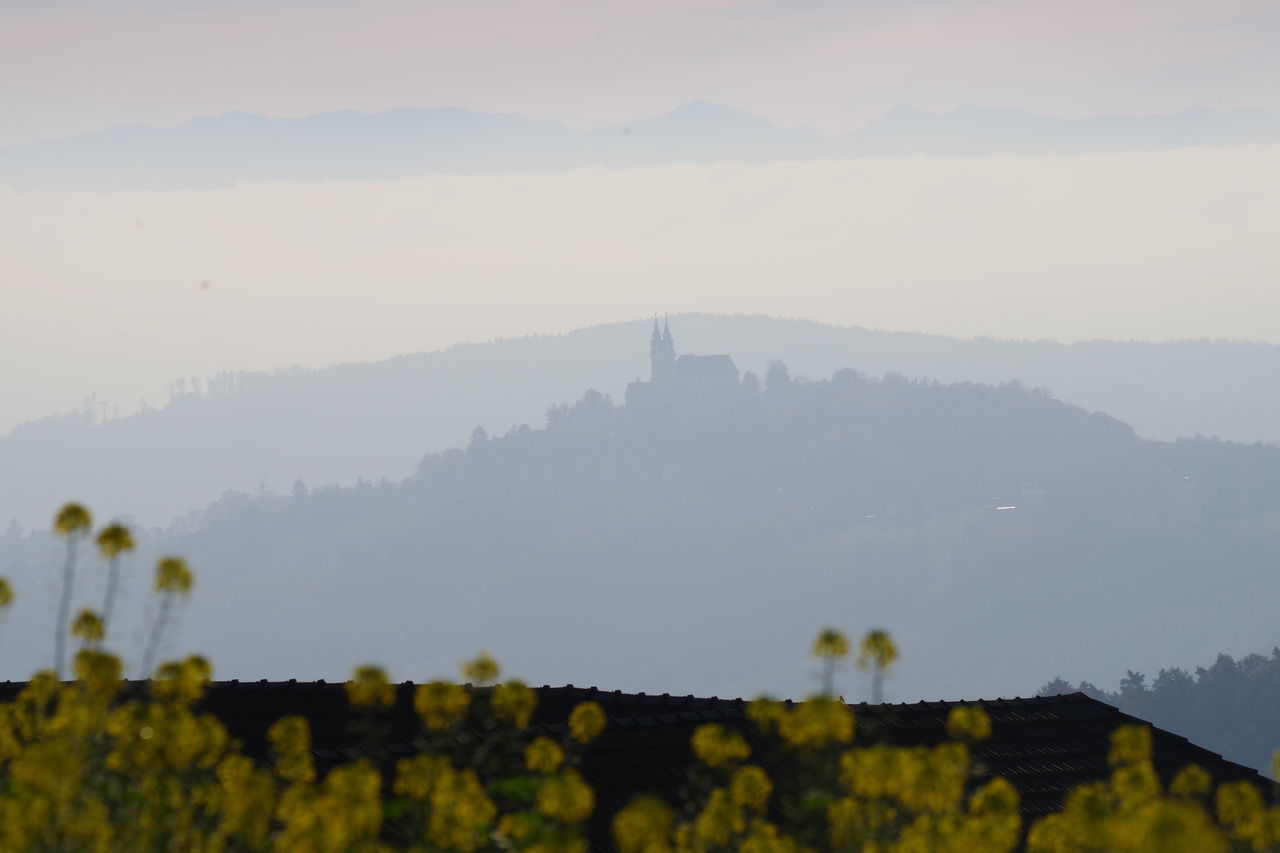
672 376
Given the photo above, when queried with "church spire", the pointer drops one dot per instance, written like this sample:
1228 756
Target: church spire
662 352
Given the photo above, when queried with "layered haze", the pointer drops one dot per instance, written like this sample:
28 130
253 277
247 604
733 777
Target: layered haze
118 294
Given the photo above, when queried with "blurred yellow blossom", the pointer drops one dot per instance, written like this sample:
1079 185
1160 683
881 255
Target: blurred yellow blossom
565 797
643 826
817 722
1130 745
831 643
370 688
441 704
715 745
543 755
87 627
173 576
290 738
72 520
482 670
586 722
514 703
877 650
750 787
1191 781
416 776
968 723
765 713
115 539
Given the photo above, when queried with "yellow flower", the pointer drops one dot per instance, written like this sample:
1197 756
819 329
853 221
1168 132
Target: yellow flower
182 681
1240 805
765 838
719 819
1191 781
173 575
483 670
290 738
831 643
99 672
996 797
968 723
1130 745
1169 826
586 722
750 787
715 745
516 827
417 776
817 722
461 812
543 755
644 826
765 713
1135 783
565 797
370 688
877 650
72 520
114 539
514 703
441 704
88 627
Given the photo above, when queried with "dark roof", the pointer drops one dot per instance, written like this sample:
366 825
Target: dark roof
1043 745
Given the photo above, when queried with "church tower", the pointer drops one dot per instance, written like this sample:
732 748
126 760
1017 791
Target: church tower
662 354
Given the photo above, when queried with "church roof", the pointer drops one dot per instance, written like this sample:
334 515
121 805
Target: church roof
705 364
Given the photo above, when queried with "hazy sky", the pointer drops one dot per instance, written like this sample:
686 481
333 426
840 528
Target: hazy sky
77 65
103 292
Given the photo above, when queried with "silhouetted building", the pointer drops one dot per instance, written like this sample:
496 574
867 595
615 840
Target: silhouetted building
672 376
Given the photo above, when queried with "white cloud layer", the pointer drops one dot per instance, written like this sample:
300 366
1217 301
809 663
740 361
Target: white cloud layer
103 292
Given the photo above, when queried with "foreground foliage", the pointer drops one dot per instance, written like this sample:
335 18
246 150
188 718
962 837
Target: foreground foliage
99 763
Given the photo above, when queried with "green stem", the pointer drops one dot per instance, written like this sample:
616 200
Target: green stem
157 630
64 609
113 580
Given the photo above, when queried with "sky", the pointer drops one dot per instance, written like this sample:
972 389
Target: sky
118 294
79 65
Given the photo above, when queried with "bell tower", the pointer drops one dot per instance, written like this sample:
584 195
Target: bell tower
662 353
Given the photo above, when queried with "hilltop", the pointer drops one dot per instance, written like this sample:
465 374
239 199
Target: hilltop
347 422
698 542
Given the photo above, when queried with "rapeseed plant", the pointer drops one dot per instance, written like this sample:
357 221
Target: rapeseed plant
100 764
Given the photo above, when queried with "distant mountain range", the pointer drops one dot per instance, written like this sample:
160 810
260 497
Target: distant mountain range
344 422
239 147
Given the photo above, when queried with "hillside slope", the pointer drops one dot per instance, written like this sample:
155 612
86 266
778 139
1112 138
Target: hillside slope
346 422
696 547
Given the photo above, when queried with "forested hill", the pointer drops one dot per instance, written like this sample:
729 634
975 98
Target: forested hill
345 422
696 545
1228 706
